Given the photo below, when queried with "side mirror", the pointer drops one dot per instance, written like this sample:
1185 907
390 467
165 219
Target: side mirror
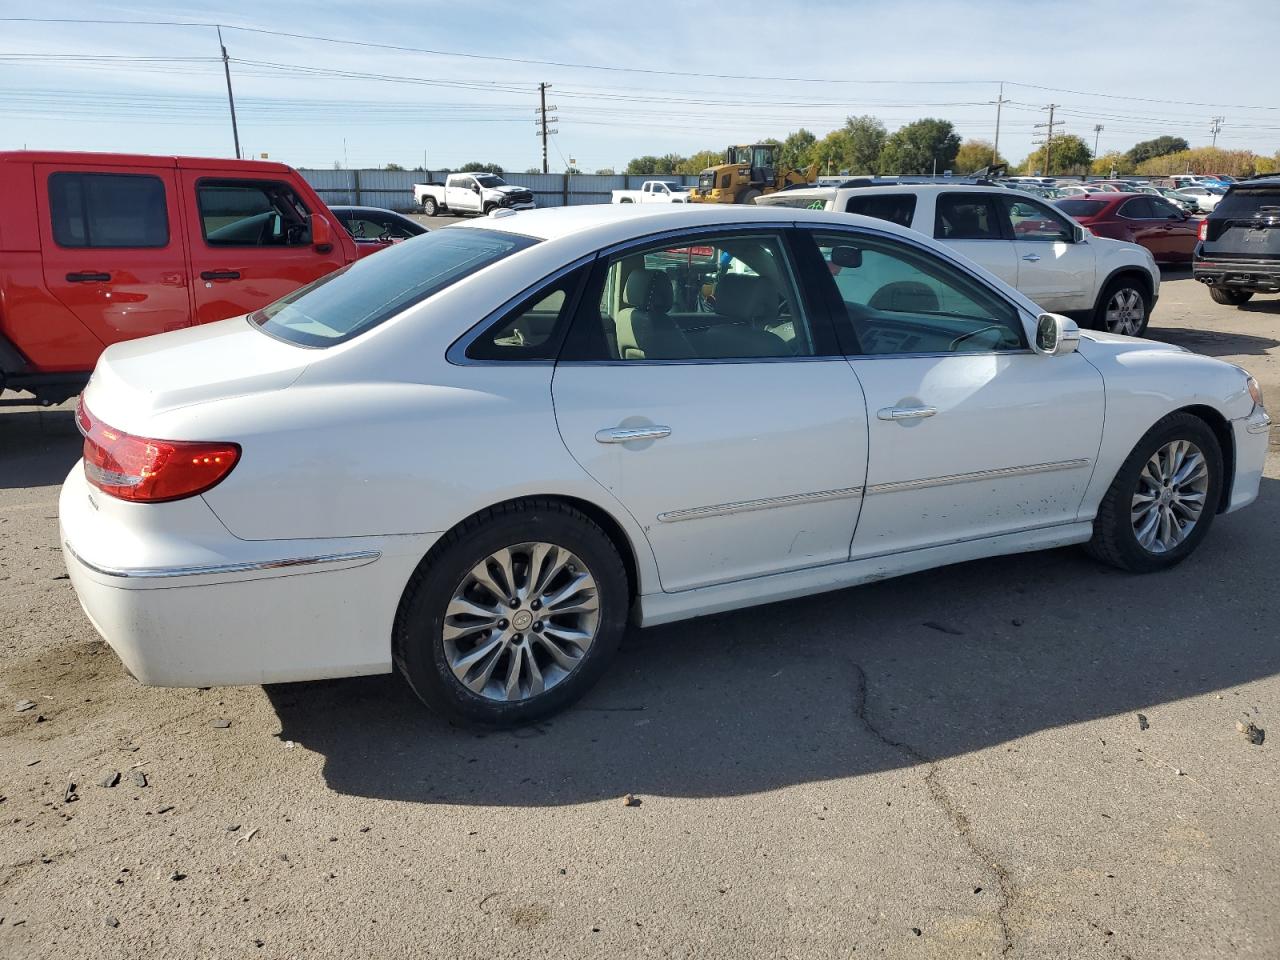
321 233
846 256
1077 234
1056 335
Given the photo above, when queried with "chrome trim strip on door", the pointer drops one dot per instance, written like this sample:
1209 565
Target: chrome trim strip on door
767 503
210 569
1000 474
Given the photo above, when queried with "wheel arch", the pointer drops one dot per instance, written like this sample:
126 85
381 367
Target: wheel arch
1221 428
1138 273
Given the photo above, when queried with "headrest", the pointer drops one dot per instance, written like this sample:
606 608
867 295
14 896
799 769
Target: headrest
743 297
648 290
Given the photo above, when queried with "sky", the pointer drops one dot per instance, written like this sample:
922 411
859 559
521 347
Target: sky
627 79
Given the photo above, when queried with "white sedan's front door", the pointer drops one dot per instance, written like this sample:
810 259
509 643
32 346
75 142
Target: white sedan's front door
1053 269
971 434
735 444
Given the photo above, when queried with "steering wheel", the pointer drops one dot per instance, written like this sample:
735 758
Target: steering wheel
972 333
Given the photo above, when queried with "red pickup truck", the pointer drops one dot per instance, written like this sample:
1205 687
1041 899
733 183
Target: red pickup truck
98 248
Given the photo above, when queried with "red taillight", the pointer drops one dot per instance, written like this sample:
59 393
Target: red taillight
1204 230
150 471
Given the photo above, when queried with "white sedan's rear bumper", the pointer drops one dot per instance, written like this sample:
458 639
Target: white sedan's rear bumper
184 603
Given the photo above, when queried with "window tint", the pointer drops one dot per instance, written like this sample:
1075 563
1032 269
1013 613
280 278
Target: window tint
534 329
1136 209
897 208
900 299
378 228
1247 202
1081 208
969 216
108 210
365 293
250 213
717 298
1162 208
1033 220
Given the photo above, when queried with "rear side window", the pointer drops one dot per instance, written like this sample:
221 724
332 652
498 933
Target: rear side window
963 216
363 294
899 208
252 213
534 329
108 210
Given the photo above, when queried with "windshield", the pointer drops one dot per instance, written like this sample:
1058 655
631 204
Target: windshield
739 155
363 294
1251 202
1081 207
489 180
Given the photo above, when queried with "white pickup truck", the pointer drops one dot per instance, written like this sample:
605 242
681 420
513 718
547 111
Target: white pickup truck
471 193
1026 242
654 191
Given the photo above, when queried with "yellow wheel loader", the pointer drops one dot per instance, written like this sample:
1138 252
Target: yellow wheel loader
748 172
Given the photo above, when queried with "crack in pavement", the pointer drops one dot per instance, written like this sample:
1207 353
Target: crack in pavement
940 797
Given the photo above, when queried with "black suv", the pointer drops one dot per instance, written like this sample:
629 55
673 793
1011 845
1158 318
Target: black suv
1239 250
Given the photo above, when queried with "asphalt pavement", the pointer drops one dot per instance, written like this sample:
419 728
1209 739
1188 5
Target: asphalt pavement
1024 757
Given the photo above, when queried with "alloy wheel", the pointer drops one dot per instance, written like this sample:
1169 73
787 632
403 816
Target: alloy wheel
1125 312
1170 496
521 621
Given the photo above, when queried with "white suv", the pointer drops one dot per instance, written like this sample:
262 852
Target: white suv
1026 242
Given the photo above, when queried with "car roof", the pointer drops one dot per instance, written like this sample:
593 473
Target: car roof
139 160
361 206
615 223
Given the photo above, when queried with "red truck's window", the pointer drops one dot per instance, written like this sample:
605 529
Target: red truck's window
251 213
108 210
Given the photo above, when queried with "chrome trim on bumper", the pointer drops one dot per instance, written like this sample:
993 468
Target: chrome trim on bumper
213 569
1258 422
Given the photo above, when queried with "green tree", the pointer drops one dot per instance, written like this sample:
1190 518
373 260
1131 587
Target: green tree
651 164
853 148
976 154
393 166
533 170
477 167
797 149
700 161
605 172
921 147
1159 147
1070 154
1234 163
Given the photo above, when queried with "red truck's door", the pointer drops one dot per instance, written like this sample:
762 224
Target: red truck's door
112 247
251 240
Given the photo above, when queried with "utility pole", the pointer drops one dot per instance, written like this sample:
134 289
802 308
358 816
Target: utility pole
1048 138
1097 132
226 68
999 102
544 121
1215 125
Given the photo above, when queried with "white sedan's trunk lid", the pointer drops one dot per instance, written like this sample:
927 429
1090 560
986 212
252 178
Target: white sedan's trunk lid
140 378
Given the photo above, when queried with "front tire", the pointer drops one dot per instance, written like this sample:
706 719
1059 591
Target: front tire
1162 501
1125 307
1231 298
429 206
478 657
748 196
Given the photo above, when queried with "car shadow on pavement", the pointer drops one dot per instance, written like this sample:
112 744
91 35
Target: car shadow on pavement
1266 305
1211 343
873 678
38 447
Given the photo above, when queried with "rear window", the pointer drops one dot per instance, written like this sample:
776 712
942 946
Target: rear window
108 210
1247 203
363 294
1081 208
899 208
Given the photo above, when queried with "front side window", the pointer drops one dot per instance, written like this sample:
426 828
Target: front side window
899 208
1139 208
1082 208
900 299
720 297
1036 221
379 228
108 210
966 216
1161 207
252 213
363 294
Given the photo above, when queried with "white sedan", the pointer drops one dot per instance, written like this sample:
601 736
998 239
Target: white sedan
479 455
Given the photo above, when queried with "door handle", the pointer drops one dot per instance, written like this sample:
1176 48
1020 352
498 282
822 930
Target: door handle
88 276
627 434
906 413
220 275
1031 257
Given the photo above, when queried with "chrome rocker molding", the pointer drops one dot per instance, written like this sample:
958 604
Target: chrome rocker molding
769 503
213 569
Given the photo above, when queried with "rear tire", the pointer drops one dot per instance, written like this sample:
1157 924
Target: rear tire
1129 531
441 653
1124 307
626 200
748 196
1231 298
429 206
